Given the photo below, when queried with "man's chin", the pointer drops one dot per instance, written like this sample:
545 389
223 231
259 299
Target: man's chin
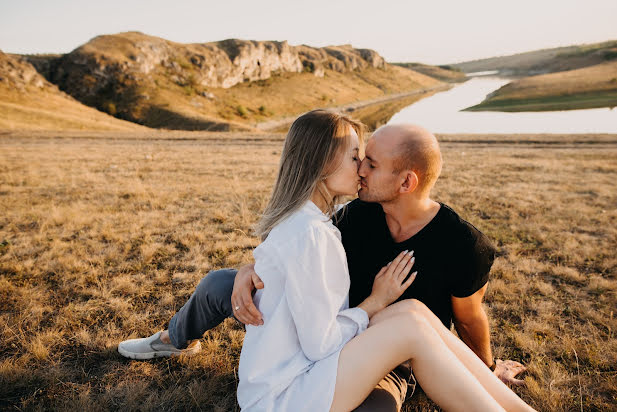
364 195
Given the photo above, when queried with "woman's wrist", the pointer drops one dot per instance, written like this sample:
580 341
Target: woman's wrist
371 306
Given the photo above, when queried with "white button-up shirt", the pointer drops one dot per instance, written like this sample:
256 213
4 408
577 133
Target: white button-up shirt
290 362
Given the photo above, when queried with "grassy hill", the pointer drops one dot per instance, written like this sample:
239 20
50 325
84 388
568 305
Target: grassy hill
444 73
283 95
28 101
564 78
226 85
589 87
545 61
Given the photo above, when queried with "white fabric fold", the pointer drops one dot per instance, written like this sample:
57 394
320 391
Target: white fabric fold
307 319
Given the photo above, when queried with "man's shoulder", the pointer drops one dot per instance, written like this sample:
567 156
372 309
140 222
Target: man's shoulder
459 229
451 221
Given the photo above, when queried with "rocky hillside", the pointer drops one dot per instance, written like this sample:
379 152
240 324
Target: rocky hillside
226 85
29 101
18 74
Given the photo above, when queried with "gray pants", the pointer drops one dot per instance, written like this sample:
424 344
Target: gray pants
210 305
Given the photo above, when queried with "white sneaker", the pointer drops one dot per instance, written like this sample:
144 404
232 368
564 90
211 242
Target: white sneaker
153 347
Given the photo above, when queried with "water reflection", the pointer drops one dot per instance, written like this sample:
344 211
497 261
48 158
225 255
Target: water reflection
441 113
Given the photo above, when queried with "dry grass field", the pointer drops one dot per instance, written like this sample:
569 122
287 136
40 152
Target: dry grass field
104 236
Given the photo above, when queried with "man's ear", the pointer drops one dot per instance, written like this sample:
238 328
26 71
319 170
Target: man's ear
410 183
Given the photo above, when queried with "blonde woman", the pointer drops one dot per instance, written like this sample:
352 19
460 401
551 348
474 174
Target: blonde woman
313 352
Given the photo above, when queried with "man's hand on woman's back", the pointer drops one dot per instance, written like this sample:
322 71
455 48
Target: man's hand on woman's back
245 284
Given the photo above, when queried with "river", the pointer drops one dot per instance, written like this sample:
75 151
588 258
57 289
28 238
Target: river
441 113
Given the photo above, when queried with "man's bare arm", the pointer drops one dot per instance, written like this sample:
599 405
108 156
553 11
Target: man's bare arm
472 326
245 284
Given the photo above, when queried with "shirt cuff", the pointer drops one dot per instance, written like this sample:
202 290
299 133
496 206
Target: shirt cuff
358 316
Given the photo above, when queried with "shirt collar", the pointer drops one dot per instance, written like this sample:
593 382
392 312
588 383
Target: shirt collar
312 208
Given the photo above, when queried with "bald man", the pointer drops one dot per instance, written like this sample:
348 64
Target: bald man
394 212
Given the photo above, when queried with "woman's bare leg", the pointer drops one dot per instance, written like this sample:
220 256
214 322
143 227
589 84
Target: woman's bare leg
371 355
495 387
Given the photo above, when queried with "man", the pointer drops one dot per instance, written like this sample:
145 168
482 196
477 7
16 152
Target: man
394 212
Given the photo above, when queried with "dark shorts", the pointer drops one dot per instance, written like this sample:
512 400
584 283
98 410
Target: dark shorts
391 392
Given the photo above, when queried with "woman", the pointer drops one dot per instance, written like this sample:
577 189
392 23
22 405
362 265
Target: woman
314 353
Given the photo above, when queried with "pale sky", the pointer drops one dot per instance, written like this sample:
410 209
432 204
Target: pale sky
435 32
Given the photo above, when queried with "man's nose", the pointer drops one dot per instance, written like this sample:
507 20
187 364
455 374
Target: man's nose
361 169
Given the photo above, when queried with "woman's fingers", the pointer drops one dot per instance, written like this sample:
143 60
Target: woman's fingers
400 267
395 272
409 281
247 312
257 282
405 270
381 272
395 266
253 313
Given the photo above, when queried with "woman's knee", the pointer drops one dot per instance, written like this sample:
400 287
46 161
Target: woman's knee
416 328
395 309
410 319
414 305
408 305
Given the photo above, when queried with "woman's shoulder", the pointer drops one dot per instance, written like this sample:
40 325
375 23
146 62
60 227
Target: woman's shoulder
304 226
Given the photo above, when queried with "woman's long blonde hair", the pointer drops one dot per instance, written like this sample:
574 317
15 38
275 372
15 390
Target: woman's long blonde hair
312 151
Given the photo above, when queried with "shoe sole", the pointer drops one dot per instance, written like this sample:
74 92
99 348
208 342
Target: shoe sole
157 354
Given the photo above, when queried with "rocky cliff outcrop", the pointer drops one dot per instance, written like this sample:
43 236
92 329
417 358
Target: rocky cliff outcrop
17 73
108 60
105 60
338 58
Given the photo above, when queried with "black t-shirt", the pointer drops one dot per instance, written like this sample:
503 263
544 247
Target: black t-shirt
453 258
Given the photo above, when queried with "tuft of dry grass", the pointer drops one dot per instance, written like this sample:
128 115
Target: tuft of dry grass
104 237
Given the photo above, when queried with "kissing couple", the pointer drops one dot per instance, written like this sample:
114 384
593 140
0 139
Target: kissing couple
335 318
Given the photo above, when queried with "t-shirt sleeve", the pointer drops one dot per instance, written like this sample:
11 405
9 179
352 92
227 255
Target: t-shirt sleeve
316 289
473 263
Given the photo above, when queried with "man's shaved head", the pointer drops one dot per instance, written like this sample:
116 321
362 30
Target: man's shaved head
415 149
